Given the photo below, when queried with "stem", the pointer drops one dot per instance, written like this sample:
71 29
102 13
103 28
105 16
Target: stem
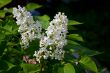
41 68
42 64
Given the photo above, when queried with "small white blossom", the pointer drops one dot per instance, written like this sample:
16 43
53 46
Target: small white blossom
28 28
42 53
51 45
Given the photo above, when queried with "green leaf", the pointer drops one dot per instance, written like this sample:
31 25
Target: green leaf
2 47
73 42
73 22
57 67
88 52
89 64
8 10
60 69
21 72
31 49
44 20
10 26
83 51
3 65
2 14
30 68
32 6
10 65
14 69
4 2
72 48
2 36
68 57
68 68
76 37
72 28
79 68
0 20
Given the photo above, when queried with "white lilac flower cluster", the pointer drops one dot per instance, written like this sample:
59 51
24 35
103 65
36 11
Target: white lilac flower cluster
28 28
51 44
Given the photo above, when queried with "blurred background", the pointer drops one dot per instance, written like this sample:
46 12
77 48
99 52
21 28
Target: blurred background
94 14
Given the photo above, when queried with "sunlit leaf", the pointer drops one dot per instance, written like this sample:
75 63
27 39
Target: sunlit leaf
68 68
89 64
32 6
73 22
73 42
44 20
76 37
2 13
4 2
30 68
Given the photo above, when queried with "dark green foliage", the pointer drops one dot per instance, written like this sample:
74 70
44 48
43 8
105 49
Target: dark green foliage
11 53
